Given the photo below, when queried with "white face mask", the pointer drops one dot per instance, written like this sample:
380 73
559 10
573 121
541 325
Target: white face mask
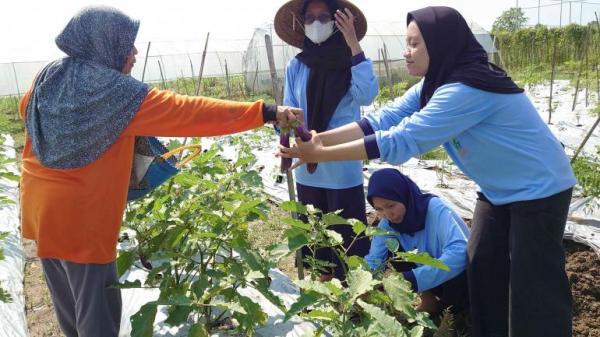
318 32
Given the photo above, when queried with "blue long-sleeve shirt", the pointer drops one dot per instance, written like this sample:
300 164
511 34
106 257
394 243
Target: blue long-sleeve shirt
444 237
498 140
363 89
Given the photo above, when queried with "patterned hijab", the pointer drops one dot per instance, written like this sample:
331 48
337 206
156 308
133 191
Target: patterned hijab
81 104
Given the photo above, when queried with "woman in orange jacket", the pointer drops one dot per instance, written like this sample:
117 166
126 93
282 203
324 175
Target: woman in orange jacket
82 115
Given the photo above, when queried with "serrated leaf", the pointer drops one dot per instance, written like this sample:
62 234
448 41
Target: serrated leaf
400 292
294 207
307 298
128 285
178 314
198 330
417 331
357 226
422 258
323 315
392 244
331 219
297 223
336 237
142 322
376 231
384 324
233 306
356 262
124 262
359 282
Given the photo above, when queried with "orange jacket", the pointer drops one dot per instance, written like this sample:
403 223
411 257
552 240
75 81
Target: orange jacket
75 214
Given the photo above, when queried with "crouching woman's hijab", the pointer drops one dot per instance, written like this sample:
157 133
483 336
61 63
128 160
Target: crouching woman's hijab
392 185
80 105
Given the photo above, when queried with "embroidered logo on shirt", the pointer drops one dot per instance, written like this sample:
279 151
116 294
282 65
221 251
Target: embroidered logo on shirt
459 148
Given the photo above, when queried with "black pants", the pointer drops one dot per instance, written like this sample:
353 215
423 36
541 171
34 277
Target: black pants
352 203
453 294
517 281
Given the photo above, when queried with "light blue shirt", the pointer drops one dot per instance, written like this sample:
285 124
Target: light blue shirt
444 237
363 90
498 140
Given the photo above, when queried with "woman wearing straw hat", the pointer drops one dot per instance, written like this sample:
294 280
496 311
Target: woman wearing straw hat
330 79
83 115
518 286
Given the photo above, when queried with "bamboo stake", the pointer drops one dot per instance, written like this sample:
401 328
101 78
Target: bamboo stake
387 67
289 175
202 65
146 61
255 78
552 79
162 76
227 80
192 73
581 64
18 90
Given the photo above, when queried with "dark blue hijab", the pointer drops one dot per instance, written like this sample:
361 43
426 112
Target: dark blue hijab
80 105
455 55
390 184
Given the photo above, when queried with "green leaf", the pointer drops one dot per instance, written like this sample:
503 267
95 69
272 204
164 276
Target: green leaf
356 262
416 331
331 219
392 244
198 330
297 223
142 322
178 314
359 282
317 287
233 306
334 236
323 315
294 207
5 296
384 324
306 299
124 262
422 258
400 292
128 285
376 231
254 315
357 226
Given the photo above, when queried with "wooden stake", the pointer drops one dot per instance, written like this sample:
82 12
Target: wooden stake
202 65
289 175
552 79
581 64
162 76
227 81
146 61
255 78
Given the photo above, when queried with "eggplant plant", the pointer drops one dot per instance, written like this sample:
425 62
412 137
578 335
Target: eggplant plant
191 234
366 303
5 174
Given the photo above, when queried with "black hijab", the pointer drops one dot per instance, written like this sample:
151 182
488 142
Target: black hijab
330 74
455 55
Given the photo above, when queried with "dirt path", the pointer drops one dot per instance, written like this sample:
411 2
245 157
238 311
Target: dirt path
41 320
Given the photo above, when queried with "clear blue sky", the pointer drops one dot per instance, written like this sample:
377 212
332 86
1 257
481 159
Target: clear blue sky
28 27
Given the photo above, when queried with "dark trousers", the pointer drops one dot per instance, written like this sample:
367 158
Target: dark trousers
452 294
517 281
84 303
352 203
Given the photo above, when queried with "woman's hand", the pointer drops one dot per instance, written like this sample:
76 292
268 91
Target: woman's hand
286 115
306 152
344 21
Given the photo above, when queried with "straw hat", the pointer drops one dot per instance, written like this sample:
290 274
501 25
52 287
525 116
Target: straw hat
289 21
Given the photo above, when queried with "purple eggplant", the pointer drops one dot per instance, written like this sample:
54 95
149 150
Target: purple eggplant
284 140
305 136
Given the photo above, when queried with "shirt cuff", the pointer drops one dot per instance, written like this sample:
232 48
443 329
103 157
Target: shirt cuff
366 127
410 277
269 112
372 147
358 58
